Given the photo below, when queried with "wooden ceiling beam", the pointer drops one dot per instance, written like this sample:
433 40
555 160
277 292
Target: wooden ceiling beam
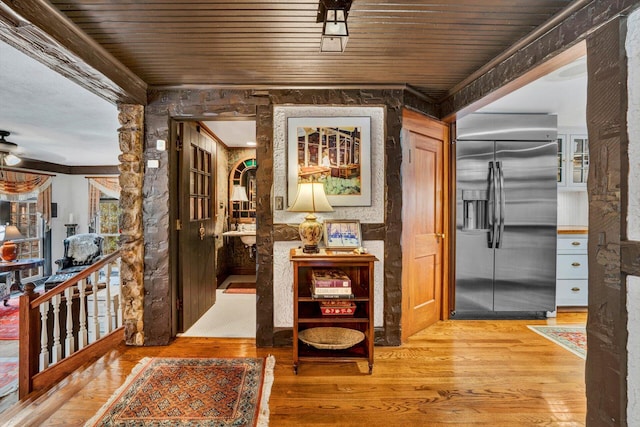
43 33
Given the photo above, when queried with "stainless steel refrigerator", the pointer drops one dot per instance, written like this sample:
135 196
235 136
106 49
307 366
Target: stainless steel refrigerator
506 215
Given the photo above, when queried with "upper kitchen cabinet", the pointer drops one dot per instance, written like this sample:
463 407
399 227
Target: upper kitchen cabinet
573 161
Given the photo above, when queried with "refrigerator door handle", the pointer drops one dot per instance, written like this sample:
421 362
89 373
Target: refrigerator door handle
493 204
502 207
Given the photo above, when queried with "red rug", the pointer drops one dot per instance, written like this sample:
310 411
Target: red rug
8 375
192 392
9 320
241 288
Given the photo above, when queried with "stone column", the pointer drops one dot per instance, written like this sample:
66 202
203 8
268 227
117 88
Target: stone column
131 138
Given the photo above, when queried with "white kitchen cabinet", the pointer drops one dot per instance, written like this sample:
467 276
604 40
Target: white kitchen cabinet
572 270
573 161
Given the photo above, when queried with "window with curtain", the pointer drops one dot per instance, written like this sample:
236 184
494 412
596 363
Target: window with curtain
24 215
25 201
109 220
104 210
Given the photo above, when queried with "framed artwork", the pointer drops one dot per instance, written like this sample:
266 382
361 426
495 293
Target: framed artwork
342 234
333 150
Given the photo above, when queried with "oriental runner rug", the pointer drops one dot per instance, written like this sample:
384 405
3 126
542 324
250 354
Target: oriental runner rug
9 319
241 288
571 337
192 392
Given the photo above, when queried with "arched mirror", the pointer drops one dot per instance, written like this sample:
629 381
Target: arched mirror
242 191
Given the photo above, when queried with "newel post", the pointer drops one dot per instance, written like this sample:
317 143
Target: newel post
29 336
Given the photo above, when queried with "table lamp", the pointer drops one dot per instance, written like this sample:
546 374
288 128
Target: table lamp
310 198
9 250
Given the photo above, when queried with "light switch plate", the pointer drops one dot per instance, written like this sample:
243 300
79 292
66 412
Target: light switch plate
279 203
153 164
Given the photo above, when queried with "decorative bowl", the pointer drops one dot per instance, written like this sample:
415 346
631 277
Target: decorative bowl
331 338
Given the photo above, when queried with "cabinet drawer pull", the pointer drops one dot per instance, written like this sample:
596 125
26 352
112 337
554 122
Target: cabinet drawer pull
575 264
574 289
575 243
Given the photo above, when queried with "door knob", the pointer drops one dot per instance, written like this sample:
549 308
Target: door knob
440 236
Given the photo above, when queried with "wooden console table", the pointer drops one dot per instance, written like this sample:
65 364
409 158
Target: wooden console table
17 266
306 308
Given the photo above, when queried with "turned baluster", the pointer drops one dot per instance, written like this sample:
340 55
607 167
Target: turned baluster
56 350
69 343
44 336
83 338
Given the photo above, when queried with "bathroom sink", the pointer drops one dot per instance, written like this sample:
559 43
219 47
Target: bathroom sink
248 237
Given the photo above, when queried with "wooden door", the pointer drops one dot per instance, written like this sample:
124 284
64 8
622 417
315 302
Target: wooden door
196 245
424 219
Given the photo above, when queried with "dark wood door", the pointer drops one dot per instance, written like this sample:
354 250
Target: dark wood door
423 221
196 246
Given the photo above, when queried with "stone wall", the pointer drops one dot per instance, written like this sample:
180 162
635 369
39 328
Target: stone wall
165 105
131 240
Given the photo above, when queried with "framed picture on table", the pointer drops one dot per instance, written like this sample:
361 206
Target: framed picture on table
342 234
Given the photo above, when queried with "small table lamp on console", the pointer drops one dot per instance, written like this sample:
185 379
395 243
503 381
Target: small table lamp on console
9 250
310 198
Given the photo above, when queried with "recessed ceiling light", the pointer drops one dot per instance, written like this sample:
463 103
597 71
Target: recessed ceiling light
251 143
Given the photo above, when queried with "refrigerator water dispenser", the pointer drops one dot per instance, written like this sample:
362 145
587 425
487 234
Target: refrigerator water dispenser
475 206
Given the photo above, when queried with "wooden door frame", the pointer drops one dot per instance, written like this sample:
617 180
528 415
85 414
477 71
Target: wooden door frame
409 116
174 214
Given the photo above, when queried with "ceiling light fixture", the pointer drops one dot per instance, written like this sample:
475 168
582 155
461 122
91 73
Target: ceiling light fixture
6 150
335 34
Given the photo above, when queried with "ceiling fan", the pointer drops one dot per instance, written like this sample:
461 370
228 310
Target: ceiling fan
7 148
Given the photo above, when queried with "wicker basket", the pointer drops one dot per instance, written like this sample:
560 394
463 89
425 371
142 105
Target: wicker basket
331 338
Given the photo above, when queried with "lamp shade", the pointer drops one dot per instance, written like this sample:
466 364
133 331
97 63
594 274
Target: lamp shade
311 198
239 194
11 232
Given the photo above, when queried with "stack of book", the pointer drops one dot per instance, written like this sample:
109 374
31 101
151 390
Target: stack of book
330 283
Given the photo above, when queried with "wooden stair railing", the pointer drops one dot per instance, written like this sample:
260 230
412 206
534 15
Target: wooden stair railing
61 329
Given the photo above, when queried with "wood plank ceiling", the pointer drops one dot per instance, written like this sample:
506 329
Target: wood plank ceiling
431 46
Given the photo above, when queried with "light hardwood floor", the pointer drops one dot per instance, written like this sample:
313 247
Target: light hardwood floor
455 373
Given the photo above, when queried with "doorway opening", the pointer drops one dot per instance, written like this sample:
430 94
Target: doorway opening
230 240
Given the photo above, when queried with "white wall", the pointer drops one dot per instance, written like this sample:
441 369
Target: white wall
71 193
633 219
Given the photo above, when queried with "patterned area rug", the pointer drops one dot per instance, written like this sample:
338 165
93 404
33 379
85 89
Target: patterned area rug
8 375
192 392
241 288
571 337
9 320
